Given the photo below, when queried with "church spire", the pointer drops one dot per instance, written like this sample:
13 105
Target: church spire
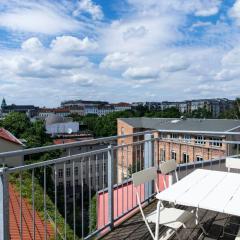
4 104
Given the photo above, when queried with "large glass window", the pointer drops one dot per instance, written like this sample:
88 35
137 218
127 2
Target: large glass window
173 155
60 173
215 142
200 140
185 158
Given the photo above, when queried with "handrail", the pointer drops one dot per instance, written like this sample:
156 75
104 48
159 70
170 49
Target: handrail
69 145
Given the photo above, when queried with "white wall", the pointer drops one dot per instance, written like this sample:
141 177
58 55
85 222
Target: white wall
62 127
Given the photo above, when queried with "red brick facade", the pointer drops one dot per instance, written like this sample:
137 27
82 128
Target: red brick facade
185 148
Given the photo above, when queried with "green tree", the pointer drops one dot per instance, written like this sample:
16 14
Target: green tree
200 113
233 113
16 123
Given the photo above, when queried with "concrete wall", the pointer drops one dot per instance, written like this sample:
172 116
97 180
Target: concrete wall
6 146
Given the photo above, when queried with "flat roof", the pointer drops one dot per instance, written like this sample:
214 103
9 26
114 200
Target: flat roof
188 124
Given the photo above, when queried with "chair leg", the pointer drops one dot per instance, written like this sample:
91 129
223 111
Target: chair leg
178 237
203 229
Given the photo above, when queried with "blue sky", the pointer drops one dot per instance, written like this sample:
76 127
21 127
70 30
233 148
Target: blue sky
118 50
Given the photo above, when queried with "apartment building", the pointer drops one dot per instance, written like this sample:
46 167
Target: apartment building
89 171
183 147
99 108
214 105
43 113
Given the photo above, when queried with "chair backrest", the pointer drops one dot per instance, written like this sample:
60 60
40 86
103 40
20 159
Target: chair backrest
168 166
232 163
144 176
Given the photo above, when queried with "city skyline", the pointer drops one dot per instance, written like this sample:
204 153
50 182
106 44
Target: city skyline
133 50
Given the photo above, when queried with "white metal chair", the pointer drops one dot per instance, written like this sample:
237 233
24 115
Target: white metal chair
170 217
232 163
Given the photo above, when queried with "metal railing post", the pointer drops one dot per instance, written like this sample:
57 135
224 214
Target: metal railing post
4 205
148 162
110 187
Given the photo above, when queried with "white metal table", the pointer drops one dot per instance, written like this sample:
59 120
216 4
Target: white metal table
211 190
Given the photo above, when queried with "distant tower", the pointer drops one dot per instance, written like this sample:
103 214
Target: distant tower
4 104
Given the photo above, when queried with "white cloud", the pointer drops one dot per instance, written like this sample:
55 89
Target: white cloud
87 6
73 45
200 25
207 12
235 11
118 60
35 17
32 44
139 73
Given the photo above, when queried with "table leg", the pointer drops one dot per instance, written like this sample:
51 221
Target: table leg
157 222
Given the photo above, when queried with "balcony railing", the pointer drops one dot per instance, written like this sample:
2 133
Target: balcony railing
85 195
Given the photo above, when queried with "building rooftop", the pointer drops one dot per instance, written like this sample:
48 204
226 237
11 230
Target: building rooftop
189 124
6 135
14 219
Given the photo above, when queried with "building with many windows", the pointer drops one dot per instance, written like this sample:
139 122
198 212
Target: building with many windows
178 139
89 171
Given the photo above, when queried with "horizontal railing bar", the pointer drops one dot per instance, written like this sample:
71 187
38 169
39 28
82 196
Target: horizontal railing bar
134 143
181 140
69 145
198 132
55 161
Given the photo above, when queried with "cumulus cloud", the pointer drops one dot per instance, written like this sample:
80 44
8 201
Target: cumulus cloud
235 11
139 73
118 60
32 44
69 44
87 6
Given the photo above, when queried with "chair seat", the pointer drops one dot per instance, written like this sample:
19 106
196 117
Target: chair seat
170 217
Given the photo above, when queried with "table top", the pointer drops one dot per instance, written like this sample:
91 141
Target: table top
212 190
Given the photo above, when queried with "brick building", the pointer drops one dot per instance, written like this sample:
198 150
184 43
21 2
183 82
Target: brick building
183 147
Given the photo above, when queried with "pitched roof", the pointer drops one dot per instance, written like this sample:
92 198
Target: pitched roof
189 124
27 219
6 135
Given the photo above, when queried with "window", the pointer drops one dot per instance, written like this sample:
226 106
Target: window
199 140
187 138
76 182
68 183
76 171
105 167
173 136
60 173
215 142
60 184
91 169
199 158
162 154
173 155
68 172
122 131
185 158
97 167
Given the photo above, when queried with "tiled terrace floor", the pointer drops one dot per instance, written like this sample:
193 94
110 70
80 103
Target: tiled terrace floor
135 228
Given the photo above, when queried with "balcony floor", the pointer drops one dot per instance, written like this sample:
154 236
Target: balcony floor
135 228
